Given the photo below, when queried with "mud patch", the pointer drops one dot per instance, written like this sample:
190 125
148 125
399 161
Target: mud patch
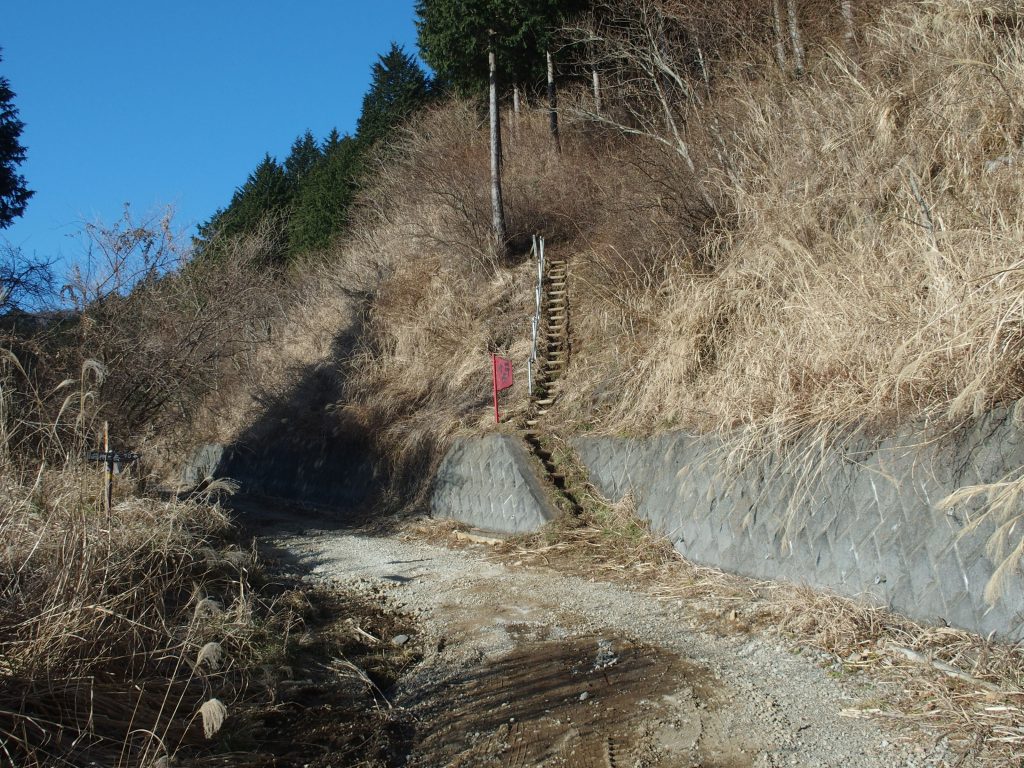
580 703
327 703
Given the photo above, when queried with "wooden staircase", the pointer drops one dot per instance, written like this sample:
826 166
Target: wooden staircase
554 342
552 359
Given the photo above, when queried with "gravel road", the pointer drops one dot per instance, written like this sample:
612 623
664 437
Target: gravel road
524 667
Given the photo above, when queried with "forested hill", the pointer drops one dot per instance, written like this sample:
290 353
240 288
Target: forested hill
781 218
306 199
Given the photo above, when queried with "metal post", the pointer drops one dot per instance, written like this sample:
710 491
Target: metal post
538 251
494 383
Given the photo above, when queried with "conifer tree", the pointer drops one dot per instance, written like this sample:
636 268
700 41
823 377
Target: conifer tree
14 195
303 156
332 142
320 209
454 38
398 88
266 192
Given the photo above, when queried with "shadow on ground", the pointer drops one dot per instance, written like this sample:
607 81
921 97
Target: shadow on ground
304 462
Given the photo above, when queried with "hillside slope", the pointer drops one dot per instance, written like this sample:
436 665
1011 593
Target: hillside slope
845 255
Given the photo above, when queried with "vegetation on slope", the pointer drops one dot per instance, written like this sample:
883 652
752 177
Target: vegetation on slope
753 252
762 244
122 634
771 235
845 255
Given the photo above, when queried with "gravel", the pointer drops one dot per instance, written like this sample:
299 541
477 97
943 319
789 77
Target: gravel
760 704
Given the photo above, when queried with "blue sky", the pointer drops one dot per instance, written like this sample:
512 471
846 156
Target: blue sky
174 103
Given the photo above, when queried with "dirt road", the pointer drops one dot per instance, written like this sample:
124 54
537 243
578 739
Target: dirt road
523 667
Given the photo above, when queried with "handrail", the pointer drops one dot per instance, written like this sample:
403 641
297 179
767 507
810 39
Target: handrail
538 252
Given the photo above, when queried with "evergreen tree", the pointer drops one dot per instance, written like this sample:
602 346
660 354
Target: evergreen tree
322 202
267 192
303 156
454 37
399 87
14 195
332 142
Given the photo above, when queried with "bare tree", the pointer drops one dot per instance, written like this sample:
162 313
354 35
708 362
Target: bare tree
497 205
628 43
118 256
553 101
796 39
780 44
167 329
25 283
657 61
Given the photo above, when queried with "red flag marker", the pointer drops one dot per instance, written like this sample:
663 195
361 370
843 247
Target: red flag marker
501 370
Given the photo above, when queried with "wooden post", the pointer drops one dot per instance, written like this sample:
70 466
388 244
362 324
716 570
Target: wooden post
108 470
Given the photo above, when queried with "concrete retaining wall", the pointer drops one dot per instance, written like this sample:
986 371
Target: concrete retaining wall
331 473
491 483
866 526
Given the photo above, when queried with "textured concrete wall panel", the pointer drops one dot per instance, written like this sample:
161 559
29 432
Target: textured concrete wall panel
490 483
865 525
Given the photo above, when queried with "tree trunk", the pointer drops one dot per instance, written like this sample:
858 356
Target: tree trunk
515 101
850 34
497 206
597 91
794 36
780 45
553 102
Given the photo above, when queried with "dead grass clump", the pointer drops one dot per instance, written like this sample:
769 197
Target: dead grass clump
421 371
117 630
952 682
435 186
867 269
108 624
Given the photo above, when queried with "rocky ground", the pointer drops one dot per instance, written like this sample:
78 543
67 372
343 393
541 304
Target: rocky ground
507 665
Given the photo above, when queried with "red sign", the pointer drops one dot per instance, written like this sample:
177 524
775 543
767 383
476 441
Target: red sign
502 376
502 373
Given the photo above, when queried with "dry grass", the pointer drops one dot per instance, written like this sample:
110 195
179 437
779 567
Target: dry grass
116 631
870 270
102 621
